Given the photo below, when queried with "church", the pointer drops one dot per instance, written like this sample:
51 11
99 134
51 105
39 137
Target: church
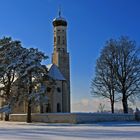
59 70
58 94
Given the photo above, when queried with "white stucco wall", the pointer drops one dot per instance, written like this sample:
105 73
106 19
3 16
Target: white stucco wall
74 117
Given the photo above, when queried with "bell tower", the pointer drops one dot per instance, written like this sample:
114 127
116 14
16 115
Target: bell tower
60 57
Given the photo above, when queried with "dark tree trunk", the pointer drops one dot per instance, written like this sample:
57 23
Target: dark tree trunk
8 94
29 119
125 105
6 117
41 109
112 106
112 96
29 110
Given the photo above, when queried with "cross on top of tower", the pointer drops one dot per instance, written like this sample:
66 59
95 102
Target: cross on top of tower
59 11
59 21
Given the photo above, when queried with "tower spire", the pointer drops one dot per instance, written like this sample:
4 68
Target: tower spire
59 12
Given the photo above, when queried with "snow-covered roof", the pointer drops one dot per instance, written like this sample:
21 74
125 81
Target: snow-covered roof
55 73
59 18
5 109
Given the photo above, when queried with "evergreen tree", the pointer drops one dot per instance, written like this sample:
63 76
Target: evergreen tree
21 70
32 73
9 54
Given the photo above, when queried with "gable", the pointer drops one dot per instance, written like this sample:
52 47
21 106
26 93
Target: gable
55 73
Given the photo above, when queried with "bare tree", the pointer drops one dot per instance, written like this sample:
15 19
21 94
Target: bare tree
104 83
127 70
101 107
118 71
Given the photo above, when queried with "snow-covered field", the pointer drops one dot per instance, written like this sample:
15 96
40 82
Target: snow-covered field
42 131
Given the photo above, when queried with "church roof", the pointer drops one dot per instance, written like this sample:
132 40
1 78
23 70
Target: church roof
55 73
59 21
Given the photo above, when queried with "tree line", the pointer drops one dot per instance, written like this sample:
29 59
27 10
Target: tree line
117 72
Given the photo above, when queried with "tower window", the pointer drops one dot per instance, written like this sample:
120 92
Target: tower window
58 39
58 89
63 40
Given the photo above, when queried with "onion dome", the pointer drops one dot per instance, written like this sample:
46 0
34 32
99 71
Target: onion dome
59 21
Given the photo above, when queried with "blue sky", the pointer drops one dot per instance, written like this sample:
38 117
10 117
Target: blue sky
90 24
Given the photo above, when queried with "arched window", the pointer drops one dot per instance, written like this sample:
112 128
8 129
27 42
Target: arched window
58 40
63 40
58 89
58 107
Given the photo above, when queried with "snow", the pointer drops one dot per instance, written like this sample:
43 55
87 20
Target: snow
55 73
59 18
43 131
5 109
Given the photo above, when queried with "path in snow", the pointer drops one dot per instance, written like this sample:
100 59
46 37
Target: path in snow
42 131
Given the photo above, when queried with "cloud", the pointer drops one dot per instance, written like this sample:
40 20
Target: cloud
92 105
89 105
